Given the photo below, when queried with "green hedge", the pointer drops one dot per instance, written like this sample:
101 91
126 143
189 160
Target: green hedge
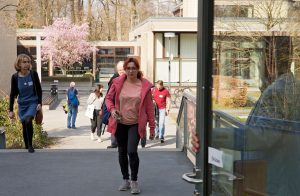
13 129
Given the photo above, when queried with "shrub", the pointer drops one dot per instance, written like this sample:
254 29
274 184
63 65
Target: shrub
13 129
229 91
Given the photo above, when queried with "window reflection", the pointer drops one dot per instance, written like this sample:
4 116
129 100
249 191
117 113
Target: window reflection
256 100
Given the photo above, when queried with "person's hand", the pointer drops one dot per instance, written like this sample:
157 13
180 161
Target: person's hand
115 114
151 136
167 112
38 107
11 115
195 142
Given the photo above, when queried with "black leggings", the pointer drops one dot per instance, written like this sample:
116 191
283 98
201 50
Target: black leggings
128 139
27 131
96 122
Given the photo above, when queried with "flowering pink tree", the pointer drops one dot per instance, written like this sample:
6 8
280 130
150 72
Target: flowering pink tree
66 43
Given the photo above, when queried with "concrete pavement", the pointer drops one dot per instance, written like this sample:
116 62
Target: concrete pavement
89 173
77 166
55 123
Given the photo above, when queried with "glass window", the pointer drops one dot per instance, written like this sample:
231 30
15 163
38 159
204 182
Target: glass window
123 51
256 102
233 11
106 51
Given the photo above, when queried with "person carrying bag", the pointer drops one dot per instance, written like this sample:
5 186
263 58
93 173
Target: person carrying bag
95 102
26 87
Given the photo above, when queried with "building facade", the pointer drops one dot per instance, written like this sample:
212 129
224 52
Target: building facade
243 25
105 57
8 48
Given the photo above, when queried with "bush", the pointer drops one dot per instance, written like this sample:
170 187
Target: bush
13 129
229 91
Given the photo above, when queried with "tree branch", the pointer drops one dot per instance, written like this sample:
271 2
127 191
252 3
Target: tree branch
5 6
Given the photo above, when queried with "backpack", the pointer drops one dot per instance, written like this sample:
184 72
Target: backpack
73 98
105 114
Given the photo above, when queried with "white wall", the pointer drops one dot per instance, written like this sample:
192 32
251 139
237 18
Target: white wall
8 49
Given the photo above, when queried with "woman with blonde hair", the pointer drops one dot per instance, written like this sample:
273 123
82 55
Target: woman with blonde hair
130 102
26 87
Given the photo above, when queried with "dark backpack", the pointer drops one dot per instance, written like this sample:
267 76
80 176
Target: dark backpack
105 114
73 98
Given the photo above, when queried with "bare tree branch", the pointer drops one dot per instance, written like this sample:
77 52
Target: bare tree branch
5 6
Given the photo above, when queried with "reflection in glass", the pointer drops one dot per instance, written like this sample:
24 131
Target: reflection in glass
191 120
256 98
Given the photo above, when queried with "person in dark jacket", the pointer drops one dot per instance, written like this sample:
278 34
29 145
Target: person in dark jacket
120 71
26 87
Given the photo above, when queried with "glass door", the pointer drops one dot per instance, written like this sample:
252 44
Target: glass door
254 142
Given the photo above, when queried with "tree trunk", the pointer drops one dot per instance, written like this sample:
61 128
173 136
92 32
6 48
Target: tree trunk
72 9
118 27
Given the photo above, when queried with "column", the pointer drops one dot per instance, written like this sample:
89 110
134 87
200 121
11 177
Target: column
38 56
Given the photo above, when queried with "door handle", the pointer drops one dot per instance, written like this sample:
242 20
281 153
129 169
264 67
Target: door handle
191 177
230 176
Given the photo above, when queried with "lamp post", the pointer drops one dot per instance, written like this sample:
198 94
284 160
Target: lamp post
169 36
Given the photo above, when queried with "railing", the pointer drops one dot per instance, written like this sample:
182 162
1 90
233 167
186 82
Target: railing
186 121
221 119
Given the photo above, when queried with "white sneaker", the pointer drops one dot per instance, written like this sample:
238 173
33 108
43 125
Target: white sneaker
92 136
99 139
135 188
125 185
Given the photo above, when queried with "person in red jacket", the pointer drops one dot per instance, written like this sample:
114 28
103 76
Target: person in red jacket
130 102
161 97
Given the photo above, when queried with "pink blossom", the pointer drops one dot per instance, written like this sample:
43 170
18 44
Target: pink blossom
66 43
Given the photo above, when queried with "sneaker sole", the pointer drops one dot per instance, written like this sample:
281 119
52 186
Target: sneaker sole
136 193
124 189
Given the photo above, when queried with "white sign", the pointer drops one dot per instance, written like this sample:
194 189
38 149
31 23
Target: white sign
215 157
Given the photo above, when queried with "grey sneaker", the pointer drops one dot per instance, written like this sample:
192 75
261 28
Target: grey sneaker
135 187
124 186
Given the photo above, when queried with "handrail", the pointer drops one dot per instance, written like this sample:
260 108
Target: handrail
221 119
222 115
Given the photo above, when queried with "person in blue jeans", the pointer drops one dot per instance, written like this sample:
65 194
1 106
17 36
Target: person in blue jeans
161 97
73 103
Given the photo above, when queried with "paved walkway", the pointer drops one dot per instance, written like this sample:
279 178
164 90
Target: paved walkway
77 166
89 173
55 123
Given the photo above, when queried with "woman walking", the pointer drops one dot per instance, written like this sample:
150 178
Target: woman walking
96 99
130 102
26 86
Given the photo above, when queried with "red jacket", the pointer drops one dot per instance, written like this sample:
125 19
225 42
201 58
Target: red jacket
146 109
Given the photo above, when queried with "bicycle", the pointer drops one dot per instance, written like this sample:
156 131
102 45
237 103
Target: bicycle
178 93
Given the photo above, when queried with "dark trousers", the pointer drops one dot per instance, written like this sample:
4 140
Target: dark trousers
128 139
27 131
96 122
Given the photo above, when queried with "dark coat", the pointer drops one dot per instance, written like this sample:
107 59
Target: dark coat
14 91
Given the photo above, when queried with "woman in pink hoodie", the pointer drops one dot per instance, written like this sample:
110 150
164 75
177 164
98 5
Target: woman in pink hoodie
130 102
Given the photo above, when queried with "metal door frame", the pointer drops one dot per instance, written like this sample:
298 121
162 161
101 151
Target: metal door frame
204 88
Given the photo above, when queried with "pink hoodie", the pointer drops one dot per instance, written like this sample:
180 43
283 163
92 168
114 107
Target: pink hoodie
146 110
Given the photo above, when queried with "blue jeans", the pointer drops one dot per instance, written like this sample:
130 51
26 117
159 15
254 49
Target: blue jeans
160 129
72 114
